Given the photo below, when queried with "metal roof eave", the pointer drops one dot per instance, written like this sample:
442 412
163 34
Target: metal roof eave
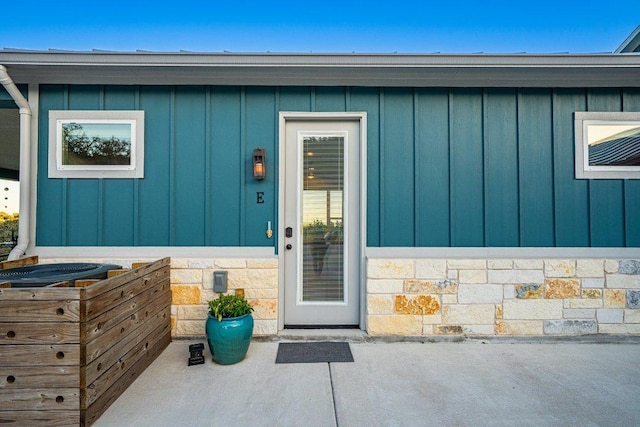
55 57
631 44
558 70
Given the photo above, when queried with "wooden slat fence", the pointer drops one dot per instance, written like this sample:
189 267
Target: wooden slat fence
69 352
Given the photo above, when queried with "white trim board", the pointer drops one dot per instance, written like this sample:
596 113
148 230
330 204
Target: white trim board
152 252
503 253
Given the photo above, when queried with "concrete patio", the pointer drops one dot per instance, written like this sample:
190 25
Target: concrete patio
497 382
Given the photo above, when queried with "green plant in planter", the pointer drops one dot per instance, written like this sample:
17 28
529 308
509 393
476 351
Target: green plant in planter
229 328
226 306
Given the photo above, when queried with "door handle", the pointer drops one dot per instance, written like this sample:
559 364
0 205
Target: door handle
288 246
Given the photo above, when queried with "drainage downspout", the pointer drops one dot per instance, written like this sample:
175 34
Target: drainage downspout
25 163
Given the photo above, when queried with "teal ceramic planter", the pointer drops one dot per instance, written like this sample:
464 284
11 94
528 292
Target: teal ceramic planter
229 338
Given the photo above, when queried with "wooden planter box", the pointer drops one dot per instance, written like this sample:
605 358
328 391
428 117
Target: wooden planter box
68 353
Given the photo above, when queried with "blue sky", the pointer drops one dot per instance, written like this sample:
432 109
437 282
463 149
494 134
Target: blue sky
405 26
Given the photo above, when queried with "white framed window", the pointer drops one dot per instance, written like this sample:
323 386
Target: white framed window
607 145
96 144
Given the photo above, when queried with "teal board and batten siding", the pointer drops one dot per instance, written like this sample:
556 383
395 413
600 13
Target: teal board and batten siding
197 188
446 167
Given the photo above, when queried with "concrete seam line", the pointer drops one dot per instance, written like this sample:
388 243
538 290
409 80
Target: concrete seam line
333 397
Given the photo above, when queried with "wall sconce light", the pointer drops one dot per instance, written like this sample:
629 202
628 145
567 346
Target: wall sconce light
259 163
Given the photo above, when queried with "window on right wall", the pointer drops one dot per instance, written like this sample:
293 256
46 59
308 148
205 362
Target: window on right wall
607 145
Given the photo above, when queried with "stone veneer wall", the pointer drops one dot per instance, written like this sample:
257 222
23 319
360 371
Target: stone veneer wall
192 288
503 296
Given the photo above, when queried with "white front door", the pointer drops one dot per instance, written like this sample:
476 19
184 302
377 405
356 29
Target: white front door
321 245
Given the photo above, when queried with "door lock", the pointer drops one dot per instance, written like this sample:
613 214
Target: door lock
288 232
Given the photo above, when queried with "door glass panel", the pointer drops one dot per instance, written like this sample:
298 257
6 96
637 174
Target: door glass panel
322 219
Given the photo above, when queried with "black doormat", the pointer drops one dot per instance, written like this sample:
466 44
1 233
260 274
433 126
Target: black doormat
314 352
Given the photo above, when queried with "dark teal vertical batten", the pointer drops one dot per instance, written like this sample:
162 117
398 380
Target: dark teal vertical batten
50 218
432 167
536 168
417 206
155 200
172 168
446 167
190 139
369 100
571 196
225 199
312 100
382 232
242 168
466 167
208 158
330 99
295 98
397 173
501 183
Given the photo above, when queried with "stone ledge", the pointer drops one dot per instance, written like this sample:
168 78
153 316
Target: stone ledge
363 337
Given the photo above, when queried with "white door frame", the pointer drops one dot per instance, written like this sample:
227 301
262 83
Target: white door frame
284 117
